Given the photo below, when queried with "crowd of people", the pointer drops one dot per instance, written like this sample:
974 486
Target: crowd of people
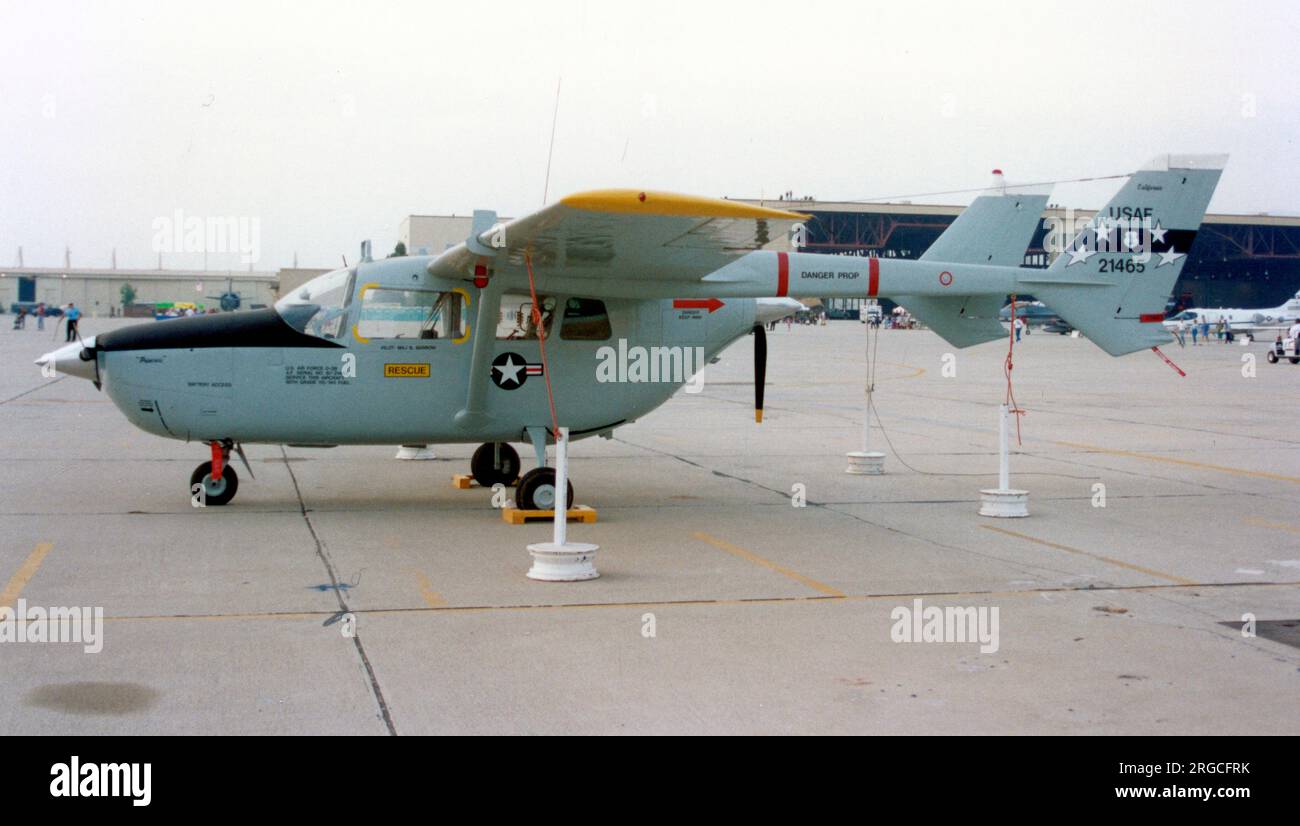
71 312
1200 330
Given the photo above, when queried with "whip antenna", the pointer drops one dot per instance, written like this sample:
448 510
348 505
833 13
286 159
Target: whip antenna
555 117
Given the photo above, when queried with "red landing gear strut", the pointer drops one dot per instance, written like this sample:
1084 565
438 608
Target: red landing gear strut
220 453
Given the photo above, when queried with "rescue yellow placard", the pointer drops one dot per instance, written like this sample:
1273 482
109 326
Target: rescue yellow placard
406 371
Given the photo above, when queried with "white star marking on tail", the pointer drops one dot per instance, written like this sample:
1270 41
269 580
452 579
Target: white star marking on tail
1080 255
1169 257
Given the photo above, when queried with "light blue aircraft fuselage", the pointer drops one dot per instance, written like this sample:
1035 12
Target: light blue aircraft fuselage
350 389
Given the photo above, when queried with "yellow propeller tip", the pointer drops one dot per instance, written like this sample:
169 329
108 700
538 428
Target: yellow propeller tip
758 416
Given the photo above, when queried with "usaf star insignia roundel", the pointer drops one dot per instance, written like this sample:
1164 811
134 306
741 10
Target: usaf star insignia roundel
510 370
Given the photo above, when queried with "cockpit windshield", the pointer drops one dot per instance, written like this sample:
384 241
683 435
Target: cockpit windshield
320 307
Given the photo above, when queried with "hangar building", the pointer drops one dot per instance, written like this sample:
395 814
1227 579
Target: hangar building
96 290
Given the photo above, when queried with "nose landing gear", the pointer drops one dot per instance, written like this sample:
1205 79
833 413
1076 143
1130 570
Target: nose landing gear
215 482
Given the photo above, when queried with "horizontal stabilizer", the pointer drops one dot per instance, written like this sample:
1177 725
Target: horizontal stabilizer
961 320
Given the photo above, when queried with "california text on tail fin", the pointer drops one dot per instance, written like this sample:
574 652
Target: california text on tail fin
1113 280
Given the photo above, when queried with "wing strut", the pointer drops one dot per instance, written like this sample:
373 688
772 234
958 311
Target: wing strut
474 413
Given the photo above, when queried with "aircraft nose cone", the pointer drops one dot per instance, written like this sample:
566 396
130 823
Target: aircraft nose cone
75 359
775 309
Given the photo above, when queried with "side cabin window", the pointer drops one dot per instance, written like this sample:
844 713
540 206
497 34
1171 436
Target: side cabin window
585 319
517 321
389 313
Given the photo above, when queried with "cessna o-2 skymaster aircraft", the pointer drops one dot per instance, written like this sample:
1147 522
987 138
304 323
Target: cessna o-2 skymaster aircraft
500 337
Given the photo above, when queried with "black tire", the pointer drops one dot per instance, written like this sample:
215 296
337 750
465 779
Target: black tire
1272 357
213 494
482 466
536 490
1295 359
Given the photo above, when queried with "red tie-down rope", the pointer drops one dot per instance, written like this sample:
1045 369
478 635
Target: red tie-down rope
1169 361
1007 366
541 340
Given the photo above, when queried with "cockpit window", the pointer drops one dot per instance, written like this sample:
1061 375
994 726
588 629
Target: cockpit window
401 313
320 307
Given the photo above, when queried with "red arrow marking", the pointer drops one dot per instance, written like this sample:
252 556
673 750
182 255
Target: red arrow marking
709 304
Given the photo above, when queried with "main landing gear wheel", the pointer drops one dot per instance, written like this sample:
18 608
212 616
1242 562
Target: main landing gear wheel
537 490
214 492
488 471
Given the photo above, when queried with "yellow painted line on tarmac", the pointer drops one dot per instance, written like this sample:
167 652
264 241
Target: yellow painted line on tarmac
1177 580
1236 471
1277 526
918 371
736 550
249 615
431 597
693 603
32 564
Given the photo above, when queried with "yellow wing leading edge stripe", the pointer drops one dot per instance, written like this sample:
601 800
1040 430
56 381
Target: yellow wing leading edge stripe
642 202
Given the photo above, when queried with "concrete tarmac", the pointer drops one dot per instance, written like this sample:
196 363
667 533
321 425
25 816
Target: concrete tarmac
722 607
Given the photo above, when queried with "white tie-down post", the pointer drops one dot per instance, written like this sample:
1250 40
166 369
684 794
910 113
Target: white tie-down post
561 560
867 462
1004 501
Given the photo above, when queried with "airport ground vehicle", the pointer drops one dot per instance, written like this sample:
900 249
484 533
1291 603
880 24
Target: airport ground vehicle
1284 348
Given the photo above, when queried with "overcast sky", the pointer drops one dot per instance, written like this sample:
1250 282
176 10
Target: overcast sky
328 123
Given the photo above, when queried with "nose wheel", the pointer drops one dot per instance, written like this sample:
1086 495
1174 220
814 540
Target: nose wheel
214 482
213 491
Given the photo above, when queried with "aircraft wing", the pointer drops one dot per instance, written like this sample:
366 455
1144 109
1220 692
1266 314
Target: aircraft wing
622 234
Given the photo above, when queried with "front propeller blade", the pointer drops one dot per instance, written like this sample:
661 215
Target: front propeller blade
760 369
